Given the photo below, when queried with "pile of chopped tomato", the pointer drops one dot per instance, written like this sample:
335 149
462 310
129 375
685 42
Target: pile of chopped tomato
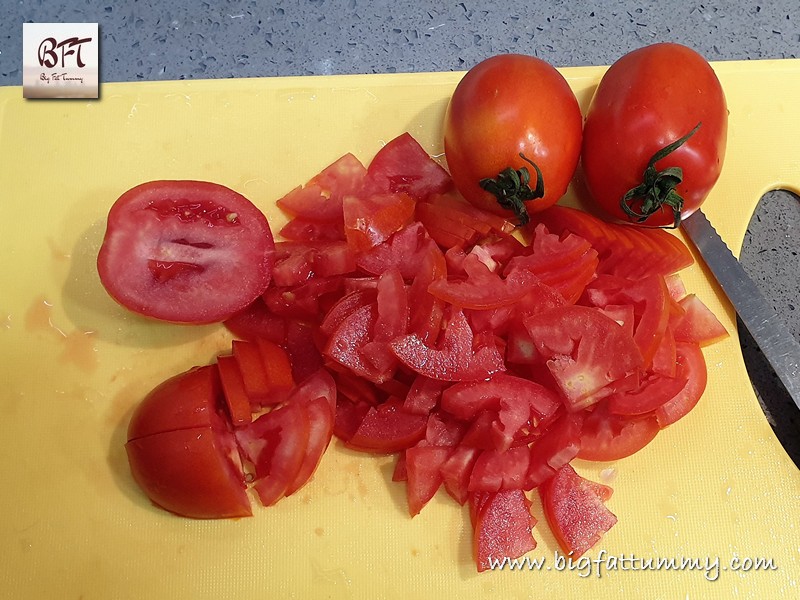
404 320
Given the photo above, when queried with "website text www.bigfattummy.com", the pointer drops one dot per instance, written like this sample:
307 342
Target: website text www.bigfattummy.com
711 567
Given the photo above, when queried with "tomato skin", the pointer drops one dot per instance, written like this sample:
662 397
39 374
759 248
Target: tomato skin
180 451
187 472
505 105
646 100
188 400
171 249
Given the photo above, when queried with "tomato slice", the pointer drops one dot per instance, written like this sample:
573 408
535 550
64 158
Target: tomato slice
585 350
190 472
503 527
423 464
320 431
403 166
606 436
653 391
455 360
236 397
698 324
644 251
692 367
257 321
575 510
172 251
388 429
566 264
276 444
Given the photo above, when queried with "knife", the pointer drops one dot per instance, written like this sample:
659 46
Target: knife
773 338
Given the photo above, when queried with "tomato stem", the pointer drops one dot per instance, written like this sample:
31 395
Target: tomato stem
512 189
658 187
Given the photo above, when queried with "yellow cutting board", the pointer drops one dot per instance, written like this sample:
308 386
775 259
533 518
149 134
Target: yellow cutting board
715 486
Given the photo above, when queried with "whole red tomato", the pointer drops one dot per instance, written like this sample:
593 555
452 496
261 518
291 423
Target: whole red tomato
660 104
512 118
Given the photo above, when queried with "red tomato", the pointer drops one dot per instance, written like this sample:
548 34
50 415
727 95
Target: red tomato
698 324
402 166
648 100
692 367
173 251
505 106
189 400
423 464
585 350
607 437
180 452
189 472
575 511
502 527
623 251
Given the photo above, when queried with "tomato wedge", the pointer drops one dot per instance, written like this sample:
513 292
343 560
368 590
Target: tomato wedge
172 251
575 510
503 527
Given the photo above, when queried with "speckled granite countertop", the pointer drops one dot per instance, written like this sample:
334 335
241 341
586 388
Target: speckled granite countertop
147 40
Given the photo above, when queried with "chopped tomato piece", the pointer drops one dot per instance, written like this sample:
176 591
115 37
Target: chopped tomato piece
555 448
575 510
257 321
371 220
606 436
503 527
698 325
423 463
585 351
275 443
236 398
403 166
388 428
455 360
456 472
692 367
494 471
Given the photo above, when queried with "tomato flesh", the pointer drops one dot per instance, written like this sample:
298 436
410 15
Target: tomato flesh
575 510
172 248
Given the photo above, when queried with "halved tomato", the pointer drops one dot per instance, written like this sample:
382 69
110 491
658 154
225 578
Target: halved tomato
172 249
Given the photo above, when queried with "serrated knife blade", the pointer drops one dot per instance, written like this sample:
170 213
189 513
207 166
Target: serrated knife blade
774 339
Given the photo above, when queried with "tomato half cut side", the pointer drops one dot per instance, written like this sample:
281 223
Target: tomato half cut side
172 251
